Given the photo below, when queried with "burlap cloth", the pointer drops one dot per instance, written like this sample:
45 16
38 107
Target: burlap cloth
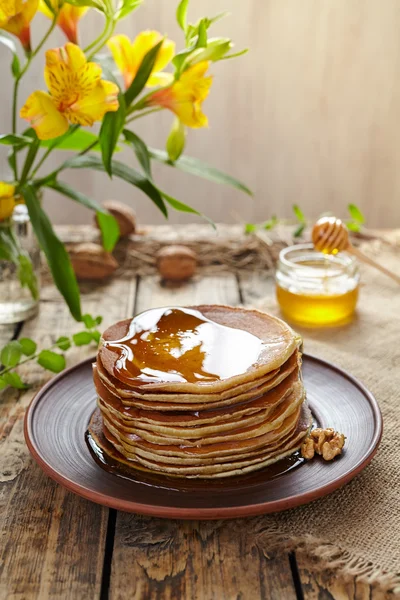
357 528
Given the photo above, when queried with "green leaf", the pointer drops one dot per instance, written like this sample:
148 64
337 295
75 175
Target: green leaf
15 64
110 130
141 151
8 246
356 214
30 157
181 207
202 35
250 228
12 139
123 172
96 335
200 169
82 338
98 320
11 354
76 141
176 140
3 383
64 343
52 361
142 75
299 214
56 254
181 14
127 7
27 275
297 233
353 226
234 55
28 346
88 321
109 230
14 380
107 223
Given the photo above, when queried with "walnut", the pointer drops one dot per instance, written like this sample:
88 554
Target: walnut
326 442
307 448
91 261
176 263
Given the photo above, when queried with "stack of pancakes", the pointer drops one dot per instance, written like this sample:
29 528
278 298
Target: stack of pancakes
206 392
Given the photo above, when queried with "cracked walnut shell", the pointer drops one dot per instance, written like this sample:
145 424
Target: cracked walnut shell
326 442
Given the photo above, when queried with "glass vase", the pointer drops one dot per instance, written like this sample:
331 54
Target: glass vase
16 301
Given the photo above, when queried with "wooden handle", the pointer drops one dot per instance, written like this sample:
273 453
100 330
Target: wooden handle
372 263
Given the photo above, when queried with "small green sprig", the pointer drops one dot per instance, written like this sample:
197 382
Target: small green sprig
355 223
18 352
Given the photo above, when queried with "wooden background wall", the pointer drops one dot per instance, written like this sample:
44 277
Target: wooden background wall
309 116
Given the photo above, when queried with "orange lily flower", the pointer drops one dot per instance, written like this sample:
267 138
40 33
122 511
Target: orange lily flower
78 95
67 17
7 200
128 56
185 96
15 17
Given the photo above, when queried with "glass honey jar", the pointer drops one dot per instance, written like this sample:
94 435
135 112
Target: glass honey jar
316 289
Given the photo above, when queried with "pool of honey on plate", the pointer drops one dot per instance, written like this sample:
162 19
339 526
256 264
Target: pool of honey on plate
315 289
181 345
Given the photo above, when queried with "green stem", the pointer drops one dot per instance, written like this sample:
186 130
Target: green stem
144 114
56 142
14 124
25 360
99 42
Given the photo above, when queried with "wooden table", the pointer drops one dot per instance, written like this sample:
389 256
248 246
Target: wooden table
57 545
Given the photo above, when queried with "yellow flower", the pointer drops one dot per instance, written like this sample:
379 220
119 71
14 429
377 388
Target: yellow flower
185 96
7 201
15 17
128 56
67 19
78 94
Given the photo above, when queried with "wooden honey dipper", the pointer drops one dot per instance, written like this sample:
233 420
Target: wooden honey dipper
330 236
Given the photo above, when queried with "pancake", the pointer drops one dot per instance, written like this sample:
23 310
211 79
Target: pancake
237 332
216 468
173 402
199 392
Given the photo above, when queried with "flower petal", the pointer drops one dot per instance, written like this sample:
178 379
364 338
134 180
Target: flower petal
6 207
7 190
160 79
103 98
121 50
42 114
68 75
165 54
68 18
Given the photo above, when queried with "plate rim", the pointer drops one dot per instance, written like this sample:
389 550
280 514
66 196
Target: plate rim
227 512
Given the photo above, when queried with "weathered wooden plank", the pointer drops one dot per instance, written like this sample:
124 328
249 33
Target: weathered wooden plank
165 559
52 541
258 289
325 586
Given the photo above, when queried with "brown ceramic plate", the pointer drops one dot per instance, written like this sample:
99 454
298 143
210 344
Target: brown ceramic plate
58 416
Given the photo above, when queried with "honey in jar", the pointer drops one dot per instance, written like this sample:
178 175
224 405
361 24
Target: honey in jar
316 289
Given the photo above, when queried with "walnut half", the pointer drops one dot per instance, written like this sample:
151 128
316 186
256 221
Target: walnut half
326 442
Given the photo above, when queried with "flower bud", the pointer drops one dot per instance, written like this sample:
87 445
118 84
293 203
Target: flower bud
176 140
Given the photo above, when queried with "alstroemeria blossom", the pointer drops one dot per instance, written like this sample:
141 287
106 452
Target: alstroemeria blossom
129 55
185 96
78 95
15 17
67 19
7 201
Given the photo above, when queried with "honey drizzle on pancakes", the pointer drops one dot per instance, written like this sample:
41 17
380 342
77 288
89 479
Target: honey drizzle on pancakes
182 345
